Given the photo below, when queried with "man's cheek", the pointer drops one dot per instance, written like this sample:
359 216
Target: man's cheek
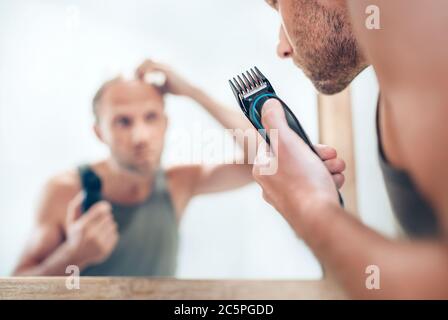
286 9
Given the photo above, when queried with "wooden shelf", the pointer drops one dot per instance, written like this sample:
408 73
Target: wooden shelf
165 288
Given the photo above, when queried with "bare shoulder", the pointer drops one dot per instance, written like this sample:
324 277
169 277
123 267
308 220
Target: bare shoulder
55 196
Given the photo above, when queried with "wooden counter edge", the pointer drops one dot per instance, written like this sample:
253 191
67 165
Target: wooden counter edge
166 288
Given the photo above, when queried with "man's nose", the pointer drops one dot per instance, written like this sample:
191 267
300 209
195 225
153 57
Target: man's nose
284 48
140 134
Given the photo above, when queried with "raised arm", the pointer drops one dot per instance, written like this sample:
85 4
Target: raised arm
175 84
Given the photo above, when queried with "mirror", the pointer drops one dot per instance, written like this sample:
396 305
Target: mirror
55 56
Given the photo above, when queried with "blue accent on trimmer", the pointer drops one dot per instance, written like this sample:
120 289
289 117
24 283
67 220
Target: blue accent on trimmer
254 105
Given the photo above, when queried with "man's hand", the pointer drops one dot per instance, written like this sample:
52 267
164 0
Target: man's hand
174 84
301 178
93 235
335 165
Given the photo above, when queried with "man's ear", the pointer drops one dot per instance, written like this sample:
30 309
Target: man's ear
97 130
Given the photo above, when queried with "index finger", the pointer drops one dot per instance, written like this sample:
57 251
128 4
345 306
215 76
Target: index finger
325 152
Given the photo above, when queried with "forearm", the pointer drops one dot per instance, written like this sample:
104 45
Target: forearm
244 135
53 265
346 248
228 118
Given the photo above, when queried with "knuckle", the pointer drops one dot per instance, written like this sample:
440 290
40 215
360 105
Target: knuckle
91 236
339 165
258 176
327 152
266 196
331 151
343 164
103 205
339 179
94 210
263 194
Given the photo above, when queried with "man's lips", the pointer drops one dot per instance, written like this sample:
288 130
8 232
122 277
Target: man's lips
144 154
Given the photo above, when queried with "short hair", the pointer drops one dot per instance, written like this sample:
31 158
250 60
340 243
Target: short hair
99 94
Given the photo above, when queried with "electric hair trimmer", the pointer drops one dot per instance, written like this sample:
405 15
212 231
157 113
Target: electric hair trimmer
251 90
91 184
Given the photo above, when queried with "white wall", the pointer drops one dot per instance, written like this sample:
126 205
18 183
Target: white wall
54 55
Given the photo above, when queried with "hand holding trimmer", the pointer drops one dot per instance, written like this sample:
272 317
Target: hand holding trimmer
251 90
91 184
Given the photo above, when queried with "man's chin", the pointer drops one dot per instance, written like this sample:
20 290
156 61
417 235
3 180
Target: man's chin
142 169
329 87
145 170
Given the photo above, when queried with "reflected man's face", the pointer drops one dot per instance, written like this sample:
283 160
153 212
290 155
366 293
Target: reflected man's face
317 35
132 123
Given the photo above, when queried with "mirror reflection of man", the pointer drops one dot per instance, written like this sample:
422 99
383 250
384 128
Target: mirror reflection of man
133 231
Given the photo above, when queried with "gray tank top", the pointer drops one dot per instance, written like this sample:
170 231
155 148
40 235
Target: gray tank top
412 211
148 240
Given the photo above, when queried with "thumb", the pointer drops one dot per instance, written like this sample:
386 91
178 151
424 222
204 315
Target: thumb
273 115
274 121
263 154
74 208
